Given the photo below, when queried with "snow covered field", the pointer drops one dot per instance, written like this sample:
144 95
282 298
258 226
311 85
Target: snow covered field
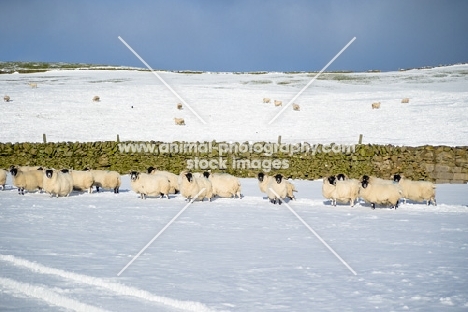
335 108
61 254
235 255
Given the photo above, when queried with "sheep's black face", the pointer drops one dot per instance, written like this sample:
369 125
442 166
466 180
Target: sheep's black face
396 178
278 178
365 178
365 184
49 173
134 175
65 170
150 169
40 168
332 180
189 177
261 176
14 171
341 177
206 174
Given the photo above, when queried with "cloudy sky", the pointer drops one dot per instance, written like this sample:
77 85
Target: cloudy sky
237 35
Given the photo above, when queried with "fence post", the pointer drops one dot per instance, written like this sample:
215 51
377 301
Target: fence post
118 139
360 139
44 139
279 139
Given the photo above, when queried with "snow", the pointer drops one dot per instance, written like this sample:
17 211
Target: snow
244 254
231 254
335 108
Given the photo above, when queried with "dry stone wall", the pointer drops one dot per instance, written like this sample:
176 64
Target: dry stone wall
440 164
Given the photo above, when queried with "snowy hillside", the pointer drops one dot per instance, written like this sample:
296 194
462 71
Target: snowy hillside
335 108
61 254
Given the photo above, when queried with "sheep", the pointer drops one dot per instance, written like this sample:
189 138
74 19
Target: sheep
290 190
106 179
277 189
190 186
378 193
96 98
57 182
376 105
179 121
147 184
33 85
266 100
417 191
263 180
346 191
278 103
405 100
179 106
29 180
224 184
82 180
340 189
6 98
3 177
296 107
173 179
328 187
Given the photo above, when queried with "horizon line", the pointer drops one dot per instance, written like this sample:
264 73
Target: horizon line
126 67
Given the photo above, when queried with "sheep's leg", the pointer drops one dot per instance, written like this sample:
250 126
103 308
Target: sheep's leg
373 206
279 201
116 190
97 188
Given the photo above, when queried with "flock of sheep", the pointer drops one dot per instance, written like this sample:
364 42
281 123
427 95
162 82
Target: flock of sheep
181 121
207 185
295 106
377 191
33 85
60 182
376 105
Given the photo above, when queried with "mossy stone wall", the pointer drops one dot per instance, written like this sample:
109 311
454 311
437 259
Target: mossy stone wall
440 164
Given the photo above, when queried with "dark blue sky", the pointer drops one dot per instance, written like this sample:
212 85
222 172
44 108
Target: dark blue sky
240 35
